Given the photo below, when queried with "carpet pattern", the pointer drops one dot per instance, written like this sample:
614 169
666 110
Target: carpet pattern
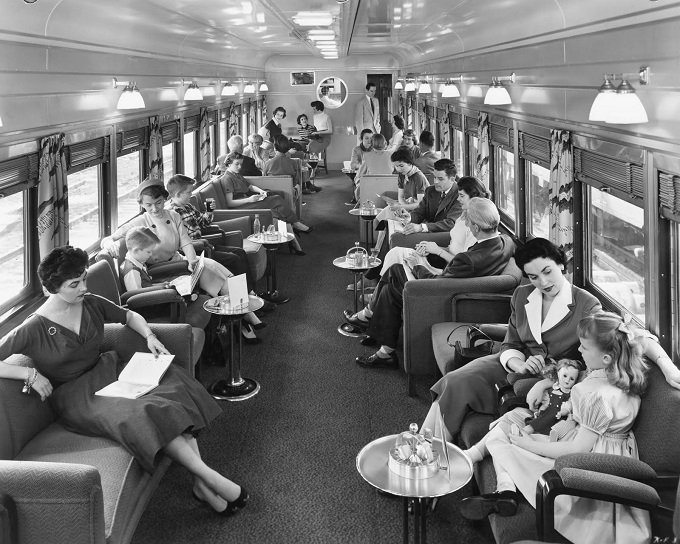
294 445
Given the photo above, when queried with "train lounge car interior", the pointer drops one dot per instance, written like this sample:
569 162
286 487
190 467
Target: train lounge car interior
567 110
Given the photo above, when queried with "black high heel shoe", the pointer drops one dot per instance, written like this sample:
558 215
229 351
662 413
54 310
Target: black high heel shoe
293 249
298 232
238 504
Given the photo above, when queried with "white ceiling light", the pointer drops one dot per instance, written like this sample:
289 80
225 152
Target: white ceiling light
398 86
450 90
424 87
228 90
620 105
193 93
249 88
313 18
131 99
318 34
475 91
602 104
498 95
263 87
410 85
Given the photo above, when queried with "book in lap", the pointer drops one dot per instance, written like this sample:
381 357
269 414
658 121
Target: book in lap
186 284
142 374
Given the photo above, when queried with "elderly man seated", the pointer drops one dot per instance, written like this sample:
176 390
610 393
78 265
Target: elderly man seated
382 317
249 168
256 151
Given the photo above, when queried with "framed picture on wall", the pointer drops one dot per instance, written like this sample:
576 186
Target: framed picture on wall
302 78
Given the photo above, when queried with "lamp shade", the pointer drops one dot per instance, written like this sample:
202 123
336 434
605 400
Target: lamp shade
228 90
474 91
398 86
249 88
626 108
193 93
131 99
263 87
603 103
450 91
497 95
410 86
424 87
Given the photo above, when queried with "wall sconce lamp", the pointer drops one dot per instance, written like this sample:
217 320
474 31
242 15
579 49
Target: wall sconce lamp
193 93
498 95
424 87
131 99
228 89
410 85
263 87
249 88
449 88
620 105
398 85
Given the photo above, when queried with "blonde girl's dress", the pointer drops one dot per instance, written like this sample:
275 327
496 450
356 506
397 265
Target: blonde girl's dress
77 368
610 413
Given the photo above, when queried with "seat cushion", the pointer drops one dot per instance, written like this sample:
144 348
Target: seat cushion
123 480
257 258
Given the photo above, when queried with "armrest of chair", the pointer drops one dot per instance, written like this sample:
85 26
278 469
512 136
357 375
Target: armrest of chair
410 240
176 337
164 270
614 465
484 308
155 297
265 214
213 234
584 483
238 224
55 502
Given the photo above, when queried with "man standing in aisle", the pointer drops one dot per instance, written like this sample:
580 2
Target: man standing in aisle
367 113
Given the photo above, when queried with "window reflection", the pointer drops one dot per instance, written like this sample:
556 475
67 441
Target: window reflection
168 161
458 150
128 180
472 154
83 203
224 136
617 241
12 246
190 154
539 202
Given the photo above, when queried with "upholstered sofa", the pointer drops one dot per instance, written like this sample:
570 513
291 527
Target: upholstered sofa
70 488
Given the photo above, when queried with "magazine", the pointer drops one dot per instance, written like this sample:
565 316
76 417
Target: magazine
186 284
142 374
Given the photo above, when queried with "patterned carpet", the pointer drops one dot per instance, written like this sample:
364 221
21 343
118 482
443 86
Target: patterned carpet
294 445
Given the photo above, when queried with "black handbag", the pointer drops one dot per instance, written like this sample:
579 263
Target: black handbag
479 344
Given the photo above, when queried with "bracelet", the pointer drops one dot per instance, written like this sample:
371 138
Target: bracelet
150 335
30 380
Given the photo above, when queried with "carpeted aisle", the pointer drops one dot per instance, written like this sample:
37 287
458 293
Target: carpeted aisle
294 445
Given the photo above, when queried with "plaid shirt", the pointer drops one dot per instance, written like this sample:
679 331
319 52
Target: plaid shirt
192 218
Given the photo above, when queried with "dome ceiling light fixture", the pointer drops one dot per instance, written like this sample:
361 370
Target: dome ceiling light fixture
620 105
228 89
498 95
193 93
131 99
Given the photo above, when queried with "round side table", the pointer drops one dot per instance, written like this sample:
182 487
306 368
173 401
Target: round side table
346 329
271 246
367 224
236 387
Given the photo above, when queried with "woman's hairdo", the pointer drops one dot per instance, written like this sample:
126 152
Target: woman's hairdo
378 142
299 118
538 248
281 143
410 133
141 238
483 213
402 154
472 187
153 191
233 156
278 109
318 105
399 122
62 264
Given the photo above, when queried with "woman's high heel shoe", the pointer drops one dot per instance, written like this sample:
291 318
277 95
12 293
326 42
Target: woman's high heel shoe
238 504
249 335
293 249
298 232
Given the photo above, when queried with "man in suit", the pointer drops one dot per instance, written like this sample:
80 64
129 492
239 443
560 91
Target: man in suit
249 168
425 162
382 317
367 112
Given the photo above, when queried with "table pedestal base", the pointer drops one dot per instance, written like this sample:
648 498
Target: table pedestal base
419 508
223 390
347 329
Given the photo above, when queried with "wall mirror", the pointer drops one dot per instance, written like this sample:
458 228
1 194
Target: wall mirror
332 91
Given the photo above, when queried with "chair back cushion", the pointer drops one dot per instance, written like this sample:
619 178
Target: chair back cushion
21 416
657 425
102 280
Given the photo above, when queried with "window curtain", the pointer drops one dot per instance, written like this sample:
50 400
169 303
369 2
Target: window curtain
264 111
155 149
561 195
482 163
251 118
52 195
390 106
233 120
424 119
204 136
444 135
409 112
402 106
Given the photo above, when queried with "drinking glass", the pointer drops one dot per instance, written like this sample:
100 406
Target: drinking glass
374 254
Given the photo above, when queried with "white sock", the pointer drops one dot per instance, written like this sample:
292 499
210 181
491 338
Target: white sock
504 481
362 315
368 313
474 454
385 351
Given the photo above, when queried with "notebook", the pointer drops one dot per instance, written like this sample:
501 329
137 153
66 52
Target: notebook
186 284
142 374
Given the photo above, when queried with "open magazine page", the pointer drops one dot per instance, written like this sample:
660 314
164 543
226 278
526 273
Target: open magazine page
186 284
142 374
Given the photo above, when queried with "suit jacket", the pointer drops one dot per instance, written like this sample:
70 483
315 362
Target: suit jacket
485 258
439 215
249 167
558 338
281 165
364 117
426 162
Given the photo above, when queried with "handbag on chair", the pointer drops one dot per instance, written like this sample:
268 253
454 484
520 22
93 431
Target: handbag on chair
479 344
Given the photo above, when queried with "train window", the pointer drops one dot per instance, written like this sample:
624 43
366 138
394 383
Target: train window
538 178
168 161
458 150
616 241
211 131
84 207
129 175
190 154
12 246
224 136
504 184
473 145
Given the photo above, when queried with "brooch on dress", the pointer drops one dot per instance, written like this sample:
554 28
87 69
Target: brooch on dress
52 331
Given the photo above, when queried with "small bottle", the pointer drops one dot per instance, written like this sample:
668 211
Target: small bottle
256 225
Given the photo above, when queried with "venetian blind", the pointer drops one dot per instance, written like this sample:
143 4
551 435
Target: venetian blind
191 123
534 148
669 196
170 132
18 174
456 120
618 174
85 154
501 136
471 123
129 141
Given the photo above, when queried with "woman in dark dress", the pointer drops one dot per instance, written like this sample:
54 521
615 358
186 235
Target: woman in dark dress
63 339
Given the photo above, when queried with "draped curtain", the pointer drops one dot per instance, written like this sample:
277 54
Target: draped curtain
251 118
264 111
561 194
155 149
204 136
52 195
424 118
402 106
390 106
482 163
409 112
233 120
444 134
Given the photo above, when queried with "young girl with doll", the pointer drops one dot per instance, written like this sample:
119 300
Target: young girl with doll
605 405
